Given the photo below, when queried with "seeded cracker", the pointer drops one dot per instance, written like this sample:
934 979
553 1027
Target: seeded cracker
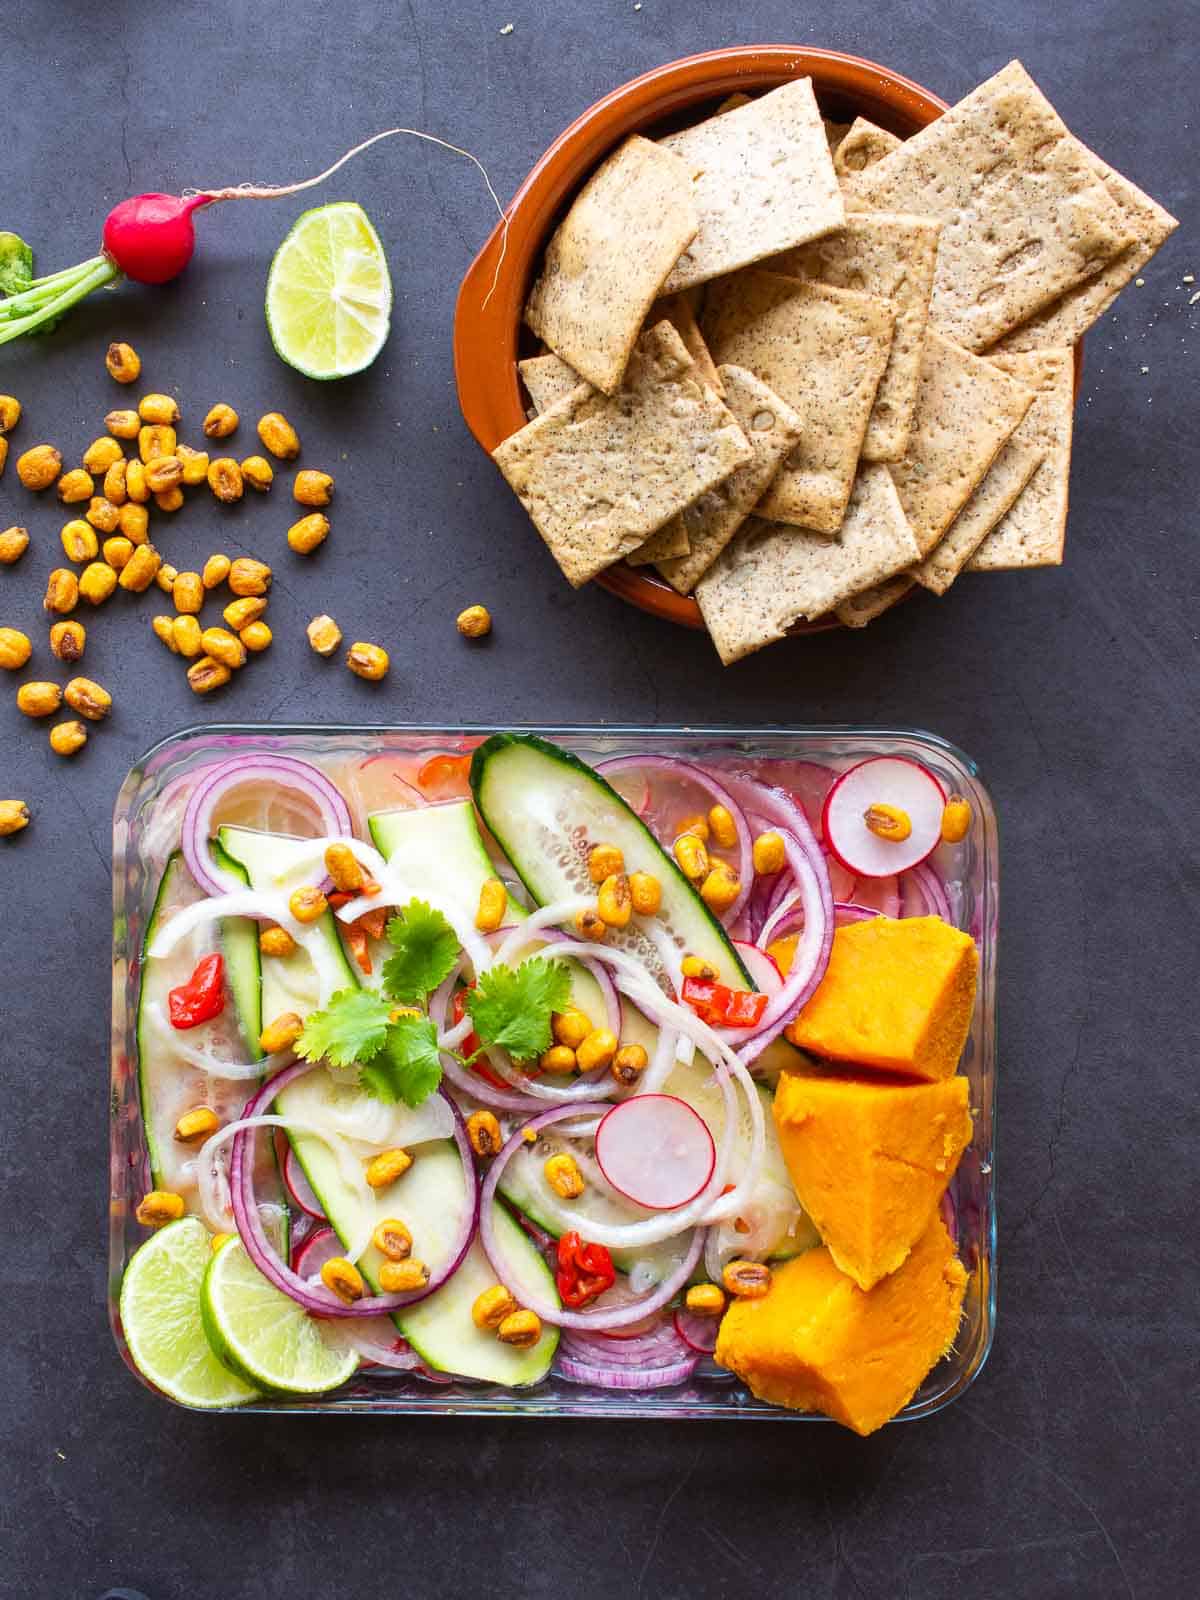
1026 214
1003 482
862 146
893 258
608 259
873 602
822 350
764 181
772 574
677 308
599 475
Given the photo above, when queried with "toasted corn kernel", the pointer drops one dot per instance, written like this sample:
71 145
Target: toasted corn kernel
386 1167
97 581
188 593
159 408
240 614
194 463
645 893
10 412
256 637
139 571
343 867
697 967
887 822
312 488
169 499
124 424
163 473
603 861
3 452
215 571
258 472
163 630
722 827
67 640
101 454
249 578
491 1308
559 1058
956 819
392 1239
204 675
67 737
484 1134
62 591
614 902
278 435
39 468
570 1027
589 924
15 649
102 514
493 903
691 855
309 533
402 1277
370 661
629 1063
117 552
705 1299
225 479
721 887
88 698
165 577
474 623
75 486
324 635
155 440
186 633
749 1280
769 854
342 1278
521 1329
696 825
159 1206
219 1240
281 1034
307 904
220 422
136 487
114 482
224 646
597 1050
200 1123
277 941
123 363
14 815
14 542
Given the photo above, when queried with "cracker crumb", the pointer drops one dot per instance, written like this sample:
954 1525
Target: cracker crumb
506 29
1145 369
1194 298
1189 277
1139 282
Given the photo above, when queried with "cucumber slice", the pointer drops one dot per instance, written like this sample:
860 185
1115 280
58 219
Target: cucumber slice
547 808
443 1334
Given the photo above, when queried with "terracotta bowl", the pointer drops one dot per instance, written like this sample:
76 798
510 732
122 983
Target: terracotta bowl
489 338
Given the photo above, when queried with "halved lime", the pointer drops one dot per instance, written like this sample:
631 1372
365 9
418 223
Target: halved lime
329 295
260 1332
160 1313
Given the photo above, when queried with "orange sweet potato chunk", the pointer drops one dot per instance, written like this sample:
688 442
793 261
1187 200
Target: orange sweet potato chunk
870 1160
817 1342
897 995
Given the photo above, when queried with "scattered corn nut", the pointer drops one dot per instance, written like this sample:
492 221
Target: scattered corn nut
205 675
123 424
691 856
97 582
645 893
491 1307
721 887
402 1277
3 453
343 867
696 825
614 902
169 499
307 904
392 1239
195 464
62 591
603 861
117 551
67 640
474 623
887 822
215 571
136 487
324 635
139 571
312 488
74 486
14 542
187 592
278 435
14 815
705 1299
10 412
101 454
493 903
15 649
154 440
199 1123
570 1027
225 479
697 967
164 629
39 699
248 577
385 1168
258 472
521 1329
123 363
220 422
114 482
163 472
342 1278
749 1280
158 1207
769 854
39 468
223 646
597 1050
628 1064
277 941
309 533
368 661
560 1058
160 408
88 698
956 819
102 514
67 738
256 637
722 827
589 924
185 631
240 614
483 1133
281 1034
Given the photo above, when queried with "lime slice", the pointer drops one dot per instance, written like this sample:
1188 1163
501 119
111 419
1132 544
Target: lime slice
259 1332
329 296
160 1313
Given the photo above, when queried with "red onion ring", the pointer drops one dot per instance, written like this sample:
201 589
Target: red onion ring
659 1344
216 781
625 1378
276 1271
463 1079
930 885
599 1320
377 1344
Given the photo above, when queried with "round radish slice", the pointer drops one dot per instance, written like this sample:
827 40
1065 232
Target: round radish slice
298 1187
883 780
656 1151
762 968
697 1332
319 1247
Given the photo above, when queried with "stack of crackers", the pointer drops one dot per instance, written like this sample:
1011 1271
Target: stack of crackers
802 366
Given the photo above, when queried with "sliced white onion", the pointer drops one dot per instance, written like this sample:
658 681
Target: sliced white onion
241 903
214 1066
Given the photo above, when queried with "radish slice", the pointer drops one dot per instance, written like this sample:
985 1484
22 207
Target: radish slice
298 1187
656 1151
762 967
320 1246
697 1332
887 780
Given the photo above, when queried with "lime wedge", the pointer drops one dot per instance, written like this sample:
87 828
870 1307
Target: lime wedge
160 1313
260 1333
329 296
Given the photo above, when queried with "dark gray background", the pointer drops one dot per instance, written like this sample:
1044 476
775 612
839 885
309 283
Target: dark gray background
1067 1469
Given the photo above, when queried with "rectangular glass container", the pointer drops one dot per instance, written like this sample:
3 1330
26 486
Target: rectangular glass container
146 830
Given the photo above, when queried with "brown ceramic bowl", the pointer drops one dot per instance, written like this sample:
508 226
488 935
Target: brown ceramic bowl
490 337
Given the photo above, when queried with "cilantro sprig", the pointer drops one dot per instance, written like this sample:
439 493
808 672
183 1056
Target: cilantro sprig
426 949
512 1007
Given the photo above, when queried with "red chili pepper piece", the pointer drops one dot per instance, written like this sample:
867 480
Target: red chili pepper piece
722 1007
458 1008
584 1270
202 997
744 1009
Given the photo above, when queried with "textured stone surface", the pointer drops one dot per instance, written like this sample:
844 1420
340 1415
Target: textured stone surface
1066 1473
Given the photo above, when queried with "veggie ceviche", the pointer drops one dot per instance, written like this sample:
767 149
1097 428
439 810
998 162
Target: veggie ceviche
507 1067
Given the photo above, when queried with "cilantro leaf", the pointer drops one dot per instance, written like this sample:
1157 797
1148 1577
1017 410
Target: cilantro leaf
352 1028
512 1008
408 1066
426 949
